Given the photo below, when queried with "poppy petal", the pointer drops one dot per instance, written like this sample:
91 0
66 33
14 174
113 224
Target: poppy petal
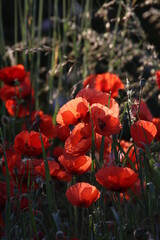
94 96
115 178
79 165
82 194
79 141
143 132
105 120
72 111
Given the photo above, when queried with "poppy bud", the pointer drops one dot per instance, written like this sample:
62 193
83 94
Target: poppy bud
15 190
16 82
16 231
59 235
15 171
5 120
140 233
85 213
40 235
142 83
39 180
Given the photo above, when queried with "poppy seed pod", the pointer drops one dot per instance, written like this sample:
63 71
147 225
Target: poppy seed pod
5 120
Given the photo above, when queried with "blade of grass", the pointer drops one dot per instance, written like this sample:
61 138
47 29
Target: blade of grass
119 222
50 197
33 223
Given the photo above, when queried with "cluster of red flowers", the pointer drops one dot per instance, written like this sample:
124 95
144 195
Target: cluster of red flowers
93 115
16 91
94 107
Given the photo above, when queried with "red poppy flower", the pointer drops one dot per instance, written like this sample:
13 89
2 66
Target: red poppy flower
158 78
72 112
24 170
130 153
15 109
80 140
20 169
28 166
144 112
21 109
82 194
136 188
13 160
39 235
105 120
58 151
143 132
106 82
9 74
156 122
23 203
98 140
41 169
136 191
106 150
29 143
63 132
55 170
20 91
94 96
79 165
44 122
116 178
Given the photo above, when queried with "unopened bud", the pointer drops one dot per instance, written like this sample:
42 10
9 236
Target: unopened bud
59 235
142 83
16 82
15 190
39 181
5 120
15 171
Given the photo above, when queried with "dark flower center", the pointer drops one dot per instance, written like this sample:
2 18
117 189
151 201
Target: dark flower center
101 124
